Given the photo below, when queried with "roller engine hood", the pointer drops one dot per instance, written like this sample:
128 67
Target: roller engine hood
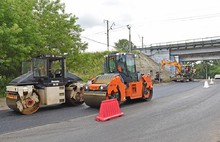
28 79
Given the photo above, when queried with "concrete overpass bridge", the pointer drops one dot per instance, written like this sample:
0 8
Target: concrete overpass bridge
187 50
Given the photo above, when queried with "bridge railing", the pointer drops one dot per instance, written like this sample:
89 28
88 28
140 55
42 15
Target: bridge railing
192 42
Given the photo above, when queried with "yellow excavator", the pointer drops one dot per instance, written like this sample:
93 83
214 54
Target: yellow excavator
182 74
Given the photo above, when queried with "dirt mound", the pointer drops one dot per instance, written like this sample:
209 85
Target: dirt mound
145 65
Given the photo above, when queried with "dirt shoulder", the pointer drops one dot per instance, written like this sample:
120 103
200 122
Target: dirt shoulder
3 105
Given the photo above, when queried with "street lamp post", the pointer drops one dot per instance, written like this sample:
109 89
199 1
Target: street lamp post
129 28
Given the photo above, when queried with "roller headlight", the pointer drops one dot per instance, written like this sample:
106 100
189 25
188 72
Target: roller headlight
103 87
86 87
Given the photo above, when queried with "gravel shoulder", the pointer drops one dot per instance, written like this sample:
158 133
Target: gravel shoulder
3 105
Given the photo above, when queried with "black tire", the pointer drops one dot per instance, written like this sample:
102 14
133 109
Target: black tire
116 95
146 91
150 97
71 101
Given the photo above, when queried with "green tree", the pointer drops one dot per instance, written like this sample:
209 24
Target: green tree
18 34
88 65
59 30
123 45
215 68
207 67
29 28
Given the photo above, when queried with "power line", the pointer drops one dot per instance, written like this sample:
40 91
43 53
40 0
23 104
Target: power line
96 41
119 27
101 32
189 18
208 16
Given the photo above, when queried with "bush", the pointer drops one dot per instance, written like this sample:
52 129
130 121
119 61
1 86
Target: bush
3 83
87 65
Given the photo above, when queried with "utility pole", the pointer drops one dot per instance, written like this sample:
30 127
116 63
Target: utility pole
142 41
206 71
107 22
107 35
129 28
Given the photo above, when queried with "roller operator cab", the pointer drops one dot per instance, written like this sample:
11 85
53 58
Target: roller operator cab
120 81
46 82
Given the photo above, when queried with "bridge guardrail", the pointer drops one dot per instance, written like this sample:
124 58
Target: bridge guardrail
184 43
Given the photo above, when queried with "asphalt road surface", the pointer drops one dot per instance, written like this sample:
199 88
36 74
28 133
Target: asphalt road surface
178 112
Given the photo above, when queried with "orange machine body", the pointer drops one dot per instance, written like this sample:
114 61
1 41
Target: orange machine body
113 85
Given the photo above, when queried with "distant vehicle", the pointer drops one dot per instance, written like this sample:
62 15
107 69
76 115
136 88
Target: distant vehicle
217 76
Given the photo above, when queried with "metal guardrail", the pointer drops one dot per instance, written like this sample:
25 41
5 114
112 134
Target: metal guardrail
182 43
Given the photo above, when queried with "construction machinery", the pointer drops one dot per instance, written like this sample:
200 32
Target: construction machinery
120 81
183 72
46 82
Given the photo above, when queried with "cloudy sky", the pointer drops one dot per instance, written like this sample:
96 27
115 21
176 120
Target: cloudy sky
154 20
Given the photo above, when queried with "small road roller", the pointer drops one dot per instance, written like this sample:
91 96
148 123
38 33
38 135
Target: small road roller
46 83
120 81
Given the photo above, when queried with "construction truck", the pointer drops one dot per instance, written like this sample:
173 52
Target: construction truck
45 83
183 72
120 81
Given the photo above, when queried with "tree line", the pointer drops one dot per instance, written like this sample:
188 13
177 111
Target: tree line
207 69
29 28
32 27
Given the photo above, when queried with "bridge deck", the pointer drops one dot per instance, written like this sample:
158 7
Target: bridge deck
188 50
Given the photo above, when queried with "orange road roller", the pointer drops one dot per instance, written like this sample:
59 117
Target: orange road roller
120 81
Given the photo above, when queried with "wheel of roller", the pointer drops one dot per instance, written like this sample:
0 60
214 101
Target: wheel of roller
32 103
146 93
70 100
116 95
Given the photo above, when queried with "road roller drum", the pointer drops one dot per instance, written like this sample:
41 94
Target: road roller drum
94 98
23 104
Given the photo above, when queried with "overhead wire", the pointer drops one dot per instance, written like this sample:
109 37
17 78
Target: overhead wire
101 32
104 32
123 27
208 16
97 33
95 41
